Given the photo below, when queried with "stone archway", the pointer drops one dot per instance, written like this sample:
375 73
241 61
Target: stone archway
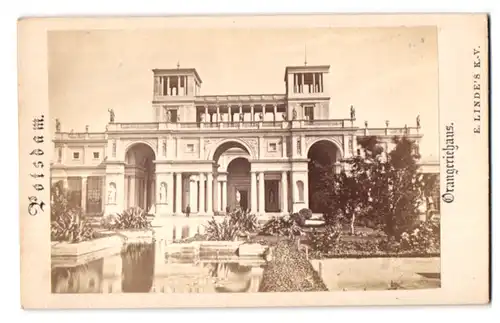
231 175
140 177
238 183
322 153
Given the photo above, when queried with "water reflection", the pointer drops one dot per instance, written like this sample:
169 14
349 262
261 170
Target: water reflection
142 268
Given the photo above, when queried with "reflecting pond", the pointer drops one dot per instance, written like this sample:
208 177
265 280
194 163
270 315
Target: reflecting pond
143 268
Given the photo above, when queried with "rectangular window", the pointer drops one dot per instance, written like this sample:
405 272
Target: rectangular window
96 155
76 155
309 112
190 148
173 115
272 147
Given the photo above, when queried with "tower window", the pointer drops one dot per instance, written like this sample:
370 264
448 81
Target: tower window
309 112
76 155
96 155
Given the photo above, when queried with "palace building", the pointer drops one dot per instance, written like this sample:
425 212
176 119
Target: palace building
213 152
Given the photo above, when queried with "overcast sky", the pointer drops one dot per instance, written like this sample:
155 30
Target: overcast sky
386 73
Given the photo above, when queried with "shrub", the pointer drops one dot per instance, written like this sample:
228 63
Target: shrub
287 226
221 231
424 238
132 218
70 227
306 213
239 222
325 241
245 222
67 223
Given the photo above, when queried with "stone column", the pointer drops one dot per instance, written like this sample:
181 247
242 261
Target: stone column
252 111
218 114
170 193
216 193
202 193
84 195
261 193
224 196
132 191
284 192
275 112
145 193
193 195
283 148
178 194
253 191
210 197
168 85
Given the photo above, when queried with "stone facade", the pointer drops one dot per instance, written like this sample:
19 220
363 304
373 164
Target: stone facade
211 152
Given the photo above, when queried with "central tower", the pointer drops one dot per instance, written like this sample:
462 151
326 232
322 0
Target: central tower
306 92
174 93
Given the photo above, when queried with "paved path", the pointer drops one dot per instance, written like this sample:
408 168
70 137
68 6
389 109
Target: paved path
377 273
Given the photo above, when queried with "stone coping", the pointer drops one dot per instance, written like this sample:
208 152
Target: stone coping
67 251
240 248
108 242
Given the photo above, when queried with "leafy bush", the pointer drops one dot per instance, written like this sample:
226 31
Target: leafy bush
306 213
325 241
238 222
221 231
424 238
132 218
67 223
286 226
71 228
246 222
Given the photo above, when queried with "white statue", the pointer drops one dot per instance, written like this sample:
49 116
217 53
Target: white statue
238 196
112 193
163 193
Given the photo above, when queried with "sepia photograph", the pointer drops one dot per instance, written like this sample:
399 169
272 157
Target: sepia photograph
248 160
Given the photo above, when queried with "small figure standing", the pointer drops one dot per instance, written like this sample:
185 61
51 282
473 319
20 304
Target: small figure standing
188 211
261 116
58 125
387 123
241 117
169 115
366 124
294 114
86 128
353 113
418 121
111 115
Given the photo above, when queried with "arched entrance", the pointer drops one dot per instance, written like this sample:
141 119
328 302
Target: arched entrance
238 183
140 177
321 154
232 186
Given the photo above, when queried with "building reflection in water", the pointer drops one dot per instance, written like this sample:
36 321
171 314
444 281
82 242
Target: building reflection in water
143 268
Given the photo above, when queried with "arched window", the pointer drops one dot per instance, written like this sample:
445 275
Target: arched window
300 190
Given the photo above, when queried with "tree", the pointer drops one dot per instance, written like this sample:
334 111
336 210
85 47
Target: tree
383 187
